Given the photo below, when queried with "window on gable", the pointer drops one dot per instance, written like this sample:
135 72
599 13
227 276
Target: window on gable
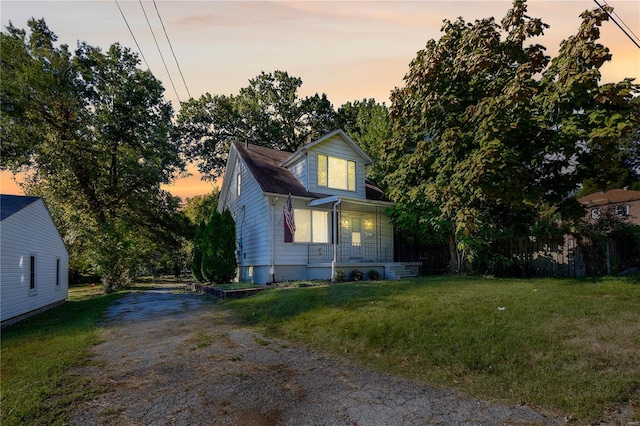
336 173
239 183
32 272
312 226
57 272
622 210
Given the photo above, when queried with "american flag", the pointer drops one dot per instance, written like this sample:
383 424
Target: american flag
288 215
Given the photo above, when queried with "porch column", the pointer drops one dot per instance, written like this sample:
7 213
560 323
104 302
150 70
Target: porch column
378 234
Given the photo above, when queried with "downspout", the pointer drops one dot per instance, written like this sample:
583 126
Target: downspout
272 268
335 238
241 245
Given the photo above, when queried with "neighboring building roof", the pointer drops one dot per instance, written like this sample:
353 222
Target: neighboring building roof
614 196
266 167
10 204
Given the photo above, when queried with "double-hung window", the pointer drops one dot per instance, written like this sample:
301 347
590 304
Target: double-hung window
336 173
622 210
312 226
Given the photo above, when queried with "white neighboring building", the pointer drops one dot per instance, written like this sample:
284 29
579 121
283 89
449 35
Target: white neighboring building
34 273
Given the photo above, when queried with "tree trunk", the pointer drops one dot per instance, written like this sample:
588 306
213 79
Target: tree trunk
454 260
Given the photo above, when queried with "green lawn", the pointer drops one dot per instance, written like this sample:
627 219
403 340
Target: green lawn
37 354
568 345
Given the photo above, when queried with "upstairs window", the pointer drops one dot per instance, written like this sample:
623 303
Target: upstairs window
238 184
336 173
595 213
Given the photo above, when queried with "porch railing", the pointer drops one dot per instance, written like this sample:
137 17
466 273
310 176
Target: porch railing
349 253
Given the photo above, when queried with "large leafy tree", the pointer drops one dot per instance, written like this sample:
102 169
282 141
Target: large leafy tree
267 112
93 132
488 133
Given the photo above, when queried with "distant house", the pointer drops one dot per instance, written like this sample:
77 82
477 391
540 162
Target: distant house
307 214
33 259
623 202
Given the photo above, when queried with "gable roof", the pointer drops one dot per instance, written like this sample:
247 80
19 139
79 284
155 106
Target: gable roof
614 196
10 204
266 166
354 146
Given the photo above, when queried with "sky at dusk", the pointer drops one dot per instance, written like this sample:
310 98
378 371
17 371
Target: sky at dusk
349 50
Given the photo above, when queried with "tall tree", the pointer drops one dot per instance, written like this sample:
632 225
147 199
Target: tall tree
485 136
369 125
199 208
267 112
93 132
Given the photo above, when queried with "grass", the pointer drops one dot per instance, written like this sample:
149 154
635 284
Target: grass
570 346
37 354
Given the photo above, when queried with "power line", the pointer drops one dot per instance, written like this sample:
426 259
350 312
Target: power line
160 51
616 22
171 47
621 20
134 37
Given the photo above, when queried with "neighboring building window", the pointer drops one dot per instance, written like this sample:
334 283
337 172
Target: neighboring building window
32 272
622 210
239 183
312 226
57 273
336 173
595 214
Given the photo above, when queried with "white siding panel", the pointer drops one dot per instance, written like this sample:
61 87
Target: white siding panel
299 171
27 232
250 212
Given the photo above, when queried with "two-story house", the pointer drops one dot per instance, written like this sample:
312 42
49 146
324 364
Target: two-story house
307 214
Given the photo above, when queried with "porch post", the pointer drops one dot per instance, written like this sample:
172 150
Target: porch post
335 239
378 234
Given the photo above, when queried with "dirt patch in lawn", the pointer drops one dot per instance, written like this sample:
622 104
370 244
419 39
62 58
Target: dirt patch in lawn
171 357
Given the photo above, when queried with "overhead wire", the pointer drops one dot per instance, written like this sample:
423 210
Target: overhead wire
160 51
171 47
616 22
621 20
132 35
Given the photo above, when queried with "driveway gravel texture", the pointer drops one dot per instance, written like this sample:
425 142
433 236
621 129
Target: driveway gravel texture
171 357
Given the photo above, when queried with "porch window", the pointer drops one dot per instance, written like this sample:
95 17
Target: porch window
336 173
312 226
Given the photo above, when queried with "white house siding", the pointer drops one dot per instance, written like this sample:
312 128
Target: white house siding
27 232
299 171
250 212
336 147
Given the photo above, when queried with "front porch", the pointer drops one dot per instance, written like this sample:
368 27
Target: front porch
349 253
386 270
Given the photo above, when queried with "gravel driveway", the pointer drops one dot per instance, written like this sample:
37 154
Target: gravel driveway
174 358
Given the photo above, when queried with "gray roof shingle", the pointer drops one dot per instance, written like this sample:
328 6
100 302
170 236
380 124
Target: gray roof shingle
266 167
10 204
